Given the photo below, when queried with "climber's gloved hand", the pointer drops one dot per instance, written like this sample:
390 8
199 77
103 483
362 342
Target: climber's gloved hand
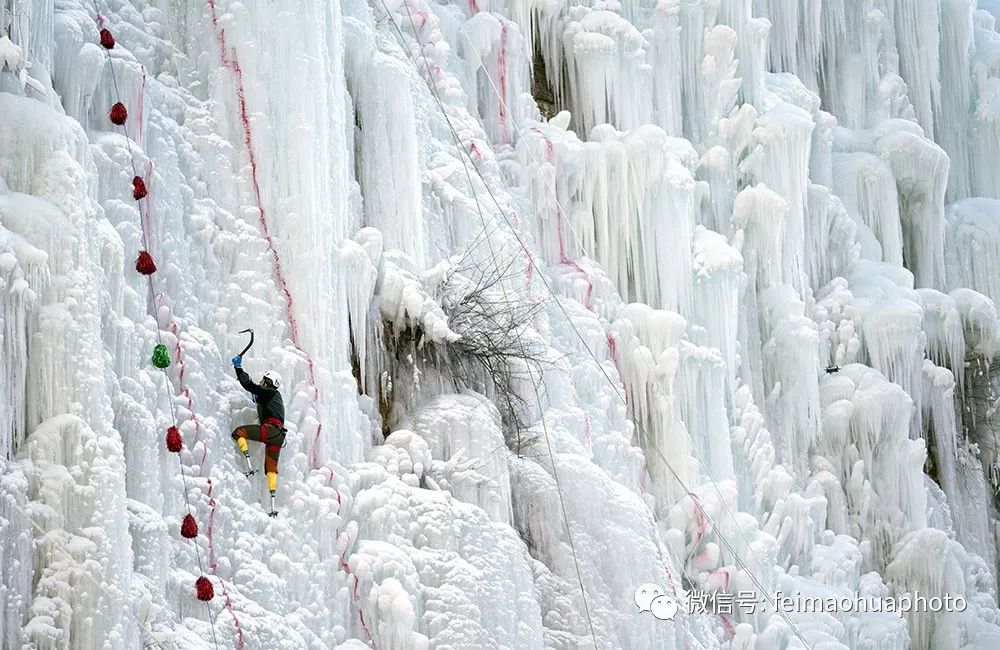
237 361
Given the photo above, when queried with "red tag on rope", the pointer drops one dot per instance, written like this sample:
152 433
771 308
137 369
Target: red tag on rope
138 188
203 589
144 264
174 440
118 114
189 527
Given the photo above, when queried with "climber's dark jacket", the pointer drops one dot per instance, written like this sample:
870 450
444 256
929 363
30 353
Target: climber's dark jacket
269 402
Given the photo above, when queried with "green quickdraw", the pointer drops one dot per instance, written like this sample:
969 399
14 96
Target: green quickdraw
161 359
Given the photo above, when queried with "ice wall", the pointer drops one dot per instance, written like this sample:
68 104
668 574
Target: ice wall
569 297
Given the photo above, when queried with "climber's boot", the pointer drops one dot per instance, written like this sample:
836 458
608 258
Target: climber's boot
241 442
272 486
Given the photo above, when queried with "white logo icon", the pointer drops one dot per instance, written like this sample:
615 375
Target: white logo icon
650 598
645 594
663 608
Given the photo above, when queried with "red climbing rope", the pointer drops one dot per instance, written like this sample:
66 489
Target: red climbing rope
347 569
213 567
230 61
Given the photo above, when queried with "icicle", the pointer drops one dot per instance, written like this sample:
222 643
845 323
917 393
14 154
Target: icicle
921 171
866 185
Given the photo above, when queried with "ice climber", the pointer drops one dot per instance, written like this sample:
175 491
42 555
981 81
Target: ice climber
270 431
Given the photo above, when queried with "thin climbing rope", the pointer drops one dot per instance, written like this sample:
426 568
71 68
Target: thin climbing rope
545 430
649 441
572 231
657 377
159 334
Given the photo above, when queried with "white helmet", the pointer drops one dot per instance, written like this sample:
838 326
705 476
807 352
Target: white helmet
273 377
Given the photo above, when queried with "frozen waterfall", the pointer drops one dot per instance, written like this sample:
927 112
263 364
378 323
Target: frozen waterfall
571 298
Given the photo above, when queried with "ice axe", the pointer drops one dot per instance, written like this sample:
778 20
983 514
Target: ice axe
246 454
250 330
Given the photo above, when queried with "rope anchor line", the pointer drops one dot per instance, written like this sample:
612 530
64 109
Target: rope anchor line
118 115
644 435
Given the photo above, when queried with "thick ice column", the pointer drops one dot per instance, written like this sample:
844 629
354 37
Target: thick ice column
781 161
790 354
623 198
664 218
796 37
980 322
951 121
608 74
497 58
960 476
751 46
921 171
703 388
718 279
866 435
717 170
985 117
945 334
58 238
758 217
31 23
831 246
973 225
866 185
462 433
696 19
719 76
952 574
84 516
667 74
16 306
890 320
16 554
853 38
941 427
648 374
917 39
297 174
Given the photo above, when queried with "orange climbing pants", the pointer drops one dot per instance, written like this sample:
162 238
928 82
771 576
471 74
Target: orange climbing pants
271 434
